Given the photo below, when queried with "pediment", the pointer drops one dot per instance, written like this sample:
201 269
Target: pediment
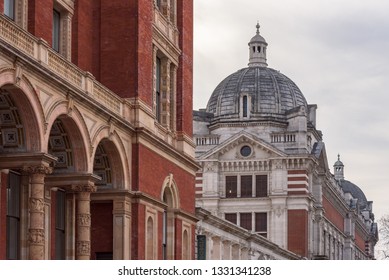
231 148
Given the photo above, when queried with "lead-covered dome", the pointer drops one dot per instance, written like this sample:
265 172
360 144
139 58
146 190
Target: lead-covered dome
271 93
257 90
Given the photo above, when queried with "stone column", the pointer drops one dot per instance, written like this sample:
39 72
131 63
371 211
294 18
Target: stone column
36 229
83 220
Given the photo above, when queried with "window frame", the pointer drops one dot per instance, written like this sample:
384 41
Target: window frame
10 7
231 186
246 186
261 220
261 186
56 31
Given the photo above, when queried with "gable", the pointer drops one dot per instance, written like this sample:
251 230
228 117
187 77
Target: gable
243 146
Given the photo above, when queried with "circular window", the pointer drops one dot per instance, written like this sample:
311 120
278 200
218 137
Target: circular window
245 151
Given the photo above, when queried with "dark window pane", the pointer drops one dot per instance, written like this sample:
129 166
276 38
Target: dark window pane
231 186
245 109
246 189
261 185
261 222
231 217
245 221
56 30
158 89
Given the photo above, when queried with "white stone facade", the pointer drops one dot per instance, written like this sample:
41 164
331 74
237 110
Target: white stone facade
264 168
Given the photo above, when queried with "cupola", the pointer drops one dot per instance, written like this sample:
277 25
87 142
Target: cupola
257 49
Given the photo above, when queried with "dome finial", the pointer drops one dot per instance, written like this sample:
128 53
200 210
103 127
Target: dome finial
258 26
338 157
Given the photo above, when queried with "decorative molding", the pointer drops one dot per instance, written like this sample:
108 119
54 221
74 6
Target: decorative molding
83 248
36 204
84 220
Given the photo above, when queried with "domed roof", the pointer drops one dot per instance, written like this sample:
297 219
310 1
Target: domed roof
271 93
355 191
257 38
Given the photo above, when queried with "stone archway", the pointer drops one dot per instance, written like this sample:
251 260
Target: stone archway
69 188
109 238
24 167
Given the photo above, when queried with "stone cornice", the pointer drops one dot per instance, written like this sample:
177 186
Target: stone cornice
165 149
207 217
25 160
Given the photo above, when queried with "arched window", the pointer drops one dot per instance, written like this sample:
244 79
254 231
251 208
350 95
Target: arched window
171 198
150 239
185 246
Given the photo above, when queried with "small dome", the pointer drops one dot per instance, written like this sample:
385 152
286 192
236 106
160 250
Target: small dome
355 191
257 38
271 94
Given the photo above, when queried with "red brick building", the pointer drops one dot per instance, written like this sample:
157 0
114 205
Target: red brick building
96 149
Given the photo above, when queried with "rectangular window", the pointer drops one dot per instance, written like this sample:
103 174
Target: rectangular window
231 186
158 90
246 186
245 221
245 106
231 217
13 217
56 30
9 8
60 225
261 185
261 223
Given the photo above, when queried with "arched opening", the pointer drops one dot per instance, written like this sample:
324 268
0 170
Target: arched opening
150 239
170 198
108 165
185 246
19 138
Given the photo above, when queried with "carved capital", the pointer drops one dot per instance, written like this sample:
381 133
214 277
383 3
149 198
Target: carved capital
38 169
90 187
36 236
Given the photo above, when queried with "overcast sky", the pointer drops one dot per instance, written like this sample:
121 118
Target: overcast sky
336 51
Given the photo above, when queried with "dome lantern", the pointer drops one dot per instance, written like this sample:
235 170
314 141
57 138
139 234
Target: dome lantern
257 49
339 169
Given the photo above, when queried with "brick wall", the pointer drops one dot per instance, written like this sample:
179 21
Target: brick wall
178 239
185 70
102 228
360 241
126 48
40 19
86 36
138 232
298 232
153 170
332 214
